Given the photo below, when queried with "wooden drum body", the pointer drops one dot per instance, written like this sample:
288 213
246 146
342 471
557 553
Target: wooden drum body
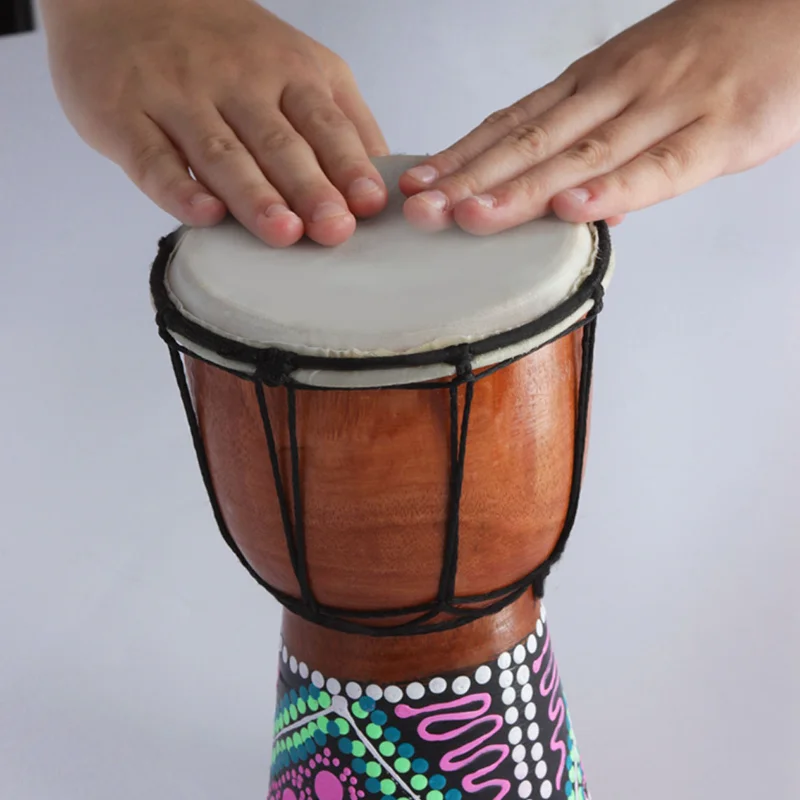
375 470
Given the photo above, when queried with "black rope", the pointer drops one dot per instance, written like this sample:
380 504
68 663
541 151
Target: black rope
275 368
458 452
299 520
283 503
170 317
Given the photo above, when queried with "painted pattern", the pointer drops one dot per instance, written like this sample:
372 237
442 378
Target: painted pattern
501 731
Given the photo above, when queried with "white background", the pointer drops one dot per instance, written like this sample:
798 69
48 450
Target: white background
137 658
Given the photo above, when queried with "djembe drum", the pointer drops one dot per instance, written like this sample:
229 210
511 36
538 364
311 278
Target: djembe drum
392 437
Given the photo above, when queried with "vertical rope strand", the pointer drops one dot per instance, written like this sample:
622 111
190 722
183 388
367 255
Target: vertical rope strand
458 451
283 503
581 429
299 519
202 460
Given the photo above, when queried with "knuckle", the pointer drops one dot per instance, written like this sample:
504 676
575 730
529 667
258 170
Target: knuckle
144 161
218 147
460 184
591 153
530 140
509 117
327 118
617 184
275 140
447 161
527 186
671 161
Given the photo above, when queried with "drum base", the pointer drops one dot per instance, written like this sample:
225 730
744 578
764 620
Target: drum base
478 711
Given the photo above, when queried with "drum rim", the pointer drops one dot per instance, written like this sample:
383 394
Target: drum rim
276 365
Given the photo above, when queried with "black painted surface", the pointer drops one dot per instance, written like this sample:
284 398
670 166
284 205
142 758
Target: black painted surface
16 16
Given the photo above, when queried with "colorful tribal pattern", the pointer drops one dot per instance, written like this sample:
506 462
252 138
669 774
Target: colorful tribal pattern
500 731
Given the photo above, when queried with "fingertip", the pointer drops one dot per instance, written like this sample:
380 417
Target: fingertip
332 231
428 211
418 179
576 205
477 216
279 227
367 196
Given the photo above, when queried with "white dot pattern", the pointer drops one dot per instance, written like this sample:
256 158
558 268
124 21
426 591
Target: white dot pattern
393 694
415 690
483 674
526 694
515 679
374 691
518 753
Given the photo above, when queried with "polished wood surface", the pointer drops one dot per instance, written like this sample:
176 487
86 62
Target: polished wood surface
374 472
403 659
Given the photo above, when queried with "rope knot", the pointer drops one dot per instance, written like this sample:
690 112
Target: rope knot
274 367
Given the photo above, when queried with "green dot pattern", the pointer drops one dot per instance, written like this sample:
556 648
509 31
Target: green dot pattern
419 782
386 749
359 750
357 729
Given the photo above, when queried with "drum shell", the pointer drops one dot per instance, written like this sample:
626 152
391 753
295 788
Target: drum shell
375 478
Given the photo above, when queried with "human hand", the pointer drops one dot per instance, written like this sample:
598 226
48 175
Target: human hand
701 89
270 123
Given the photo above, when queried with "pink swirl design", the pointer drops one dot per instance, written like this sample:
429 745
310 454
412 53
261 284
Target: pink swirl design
548 686
464 755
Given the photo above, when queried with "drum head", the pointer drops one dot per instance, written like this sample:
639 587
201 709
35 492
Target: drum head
391 292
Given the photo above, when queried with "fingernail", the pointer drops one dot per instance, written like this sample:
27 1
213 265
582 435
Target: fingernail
423 173
278 210
486 200
328 211
201 198
436 200
578 195
363 186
